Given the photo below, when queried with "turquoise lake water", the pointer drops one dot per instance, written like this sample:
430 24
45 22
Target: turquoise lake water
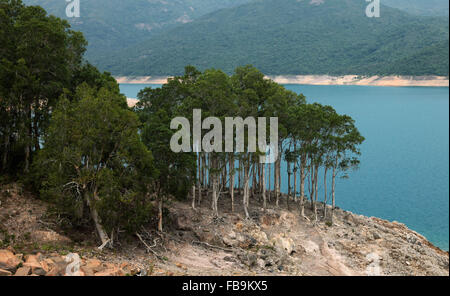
404 172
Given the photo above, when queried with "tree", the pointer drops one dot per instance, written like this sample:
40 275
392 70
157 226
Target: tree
344 145
156 109
38 59
93 158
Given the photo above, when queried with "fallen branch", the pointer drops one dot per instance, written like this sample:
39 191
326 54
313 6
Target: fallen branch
148 247
104 245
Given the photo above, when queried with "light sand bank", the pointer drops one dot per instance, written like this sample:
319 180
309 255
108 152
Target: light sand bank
430 81
132 102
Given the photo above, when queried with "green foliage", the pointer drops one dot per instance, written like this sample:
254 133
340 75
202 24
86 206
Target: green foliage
420 7
294 37
110 25
39 56
156 109
93 155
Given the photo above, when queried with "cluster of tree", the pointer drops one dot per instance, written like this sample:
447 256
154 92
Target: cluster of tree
68 131
65 128
39 56
311 137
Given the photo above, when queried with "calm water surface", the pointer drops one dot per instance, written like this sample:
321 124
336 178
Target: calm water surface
404 172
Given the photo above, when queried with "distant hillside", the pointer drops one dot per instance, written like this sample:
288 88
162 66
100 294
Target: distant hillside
295 37
114 24
420 7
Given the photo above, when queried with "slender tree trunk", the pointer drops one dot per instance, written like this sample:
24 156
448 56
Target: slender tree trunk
289 184
311 186
288 168
325 200
295 182
193 196
231 170
252 188
333 186
200 179
246 188
215 183
316 173
5 151
269 180
160 213
263 185
204 170
28 140
276 181
210 180
36 131
302 185
95 217
259 178
239 178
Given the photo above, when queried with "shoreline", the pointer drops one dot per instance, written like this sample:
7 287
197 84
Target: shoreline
387 81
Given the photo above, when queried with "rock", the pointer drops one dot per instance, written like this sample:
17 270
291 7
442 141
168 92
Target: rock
23 271
50 236
252 259
412 239
56 271
108 272
259 236
57 266
5 272
243 241
283 244
94 264
350 219
127 269
261 263
229 259
87 271
33 261
376 235
183 223
8 261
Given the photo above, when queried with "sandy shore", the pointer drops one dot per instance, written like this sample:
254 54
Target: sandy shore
430 81
132 102
142 80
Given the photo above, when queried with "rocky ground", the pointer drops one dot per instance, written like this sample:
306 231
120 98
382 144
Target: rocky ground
274 242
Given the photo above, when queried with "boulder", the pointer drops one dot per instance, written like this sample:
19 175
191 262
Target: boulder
49 236
5 272
37 267
183 223
283 244
93 264
8 261
23 271
261 263
109 272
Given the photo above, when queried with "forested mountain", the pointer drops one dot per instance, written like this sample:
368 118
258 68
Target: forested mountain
421 7
294 37
114 24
